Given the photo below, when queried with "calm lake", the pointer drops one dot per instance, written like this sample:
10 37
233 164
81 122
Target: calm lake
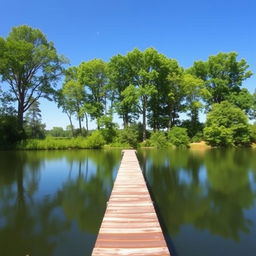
52 202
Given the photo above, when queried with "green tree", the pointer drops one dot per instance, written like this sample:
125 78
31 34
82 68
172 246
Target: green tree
9 131
223 74
6 104
158 139
29 65
165 102
33 126
195 92
63 102
226 125
145 74
72 99
124 98
242 99
92 75
178 136
57 132
253 109
108 128
172 95
129 135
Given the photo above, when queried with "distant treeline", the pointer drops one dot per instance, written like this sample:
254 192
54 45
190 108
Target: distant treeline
141 85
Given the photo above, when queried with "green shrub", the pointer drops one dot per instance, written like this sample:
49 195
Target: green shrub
117 144
198 137
227 125
146 143
10 132
218 136
129 136
158 140
95 140
178 137
108 128
252 129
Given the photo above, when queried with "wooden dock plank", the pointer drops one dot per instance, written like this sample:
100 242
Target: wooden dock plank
130 225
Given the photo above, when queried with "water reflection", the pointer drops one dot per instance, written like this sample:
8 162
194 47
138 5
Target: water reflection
52 203
207 191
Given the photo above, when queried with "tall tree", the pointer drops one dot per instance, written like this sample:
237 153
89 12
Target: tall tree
223 74
120 76
253 109
63 102
29 65
72 99
144 76
242 99
195 92
92 75
172 92
34 127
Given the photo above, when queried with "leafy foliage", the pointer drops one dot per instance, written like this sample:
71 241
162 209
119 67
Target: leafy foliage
226 125
10 132
108 128
33 125
178 136
223 74
252 129
158 140
129 136
29 65
95 140
92 75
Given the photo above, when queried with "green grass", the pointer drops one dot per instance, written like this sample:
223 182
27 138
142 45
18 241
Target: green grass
95 140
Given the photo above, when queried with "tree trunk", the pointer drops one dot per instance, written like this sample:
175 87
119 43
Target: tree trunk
98 124
71 124
144 122
20 114
125 120
80 125
170 120
86 122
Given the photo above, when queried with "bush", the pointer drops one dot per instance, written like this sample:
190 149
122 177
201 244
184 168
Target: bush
158 140
252 129
108 128
218 136
146 143
10 132
198 137
128 136
95 140
227 125
178 136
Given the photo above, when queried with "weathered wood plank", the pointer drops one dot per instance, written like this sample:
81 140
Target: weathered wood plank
130 225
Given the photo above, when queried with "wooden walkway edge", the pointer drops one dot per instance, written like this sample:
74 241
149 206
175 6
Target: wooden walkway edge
130 225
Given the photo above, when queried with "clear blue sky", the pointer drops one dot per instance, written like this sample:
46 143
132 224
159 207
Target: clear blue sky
186 30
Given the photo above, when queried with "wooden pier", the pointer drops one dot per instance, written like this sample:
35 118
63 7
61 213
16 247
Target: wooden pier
130 225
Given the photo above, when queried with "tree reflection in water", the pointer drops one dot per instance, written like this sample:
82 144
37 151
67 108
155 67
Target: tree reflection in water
209 190
32 223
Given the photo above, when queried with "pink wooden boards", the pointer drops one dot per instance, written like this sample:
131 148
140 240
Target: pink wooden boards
130 225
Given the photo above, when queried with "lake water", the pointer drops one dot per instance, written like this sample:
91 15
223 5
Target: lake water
52 202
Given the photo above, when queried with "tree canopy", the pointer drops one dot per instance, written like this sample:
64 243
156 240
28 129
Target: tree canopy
146 89
29 66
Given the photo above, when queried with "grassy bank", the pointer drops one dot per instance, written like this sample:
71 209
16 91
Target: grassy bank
199 146
94 141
